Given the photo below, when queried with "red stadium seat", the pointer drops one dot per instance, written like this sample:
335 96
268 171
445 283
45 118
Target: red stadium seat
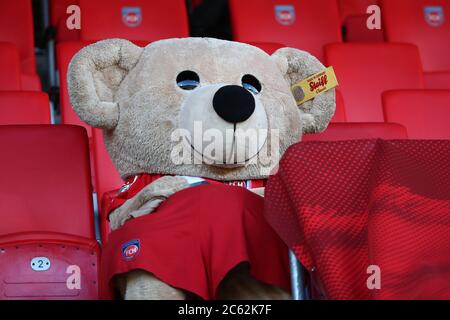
137 20
9 67
64 54
16 26
424 113
365 71
355 131
23 107
47 232
58 18
303 24
107 179
106 176
424 23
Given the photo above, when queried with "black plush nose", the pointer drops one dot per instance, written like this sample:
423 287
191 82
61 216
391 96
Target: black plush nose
234 104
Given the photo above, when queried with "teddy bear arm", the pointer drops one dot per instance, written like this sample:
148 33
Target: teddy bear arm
147 200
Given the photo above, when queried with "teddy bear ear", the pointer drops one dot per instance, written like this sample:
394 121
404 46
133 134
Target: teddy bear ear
297 65
94 76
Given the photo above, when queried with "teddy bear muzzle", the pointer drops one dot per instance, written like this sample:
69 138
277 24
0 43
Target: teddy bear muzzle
226 124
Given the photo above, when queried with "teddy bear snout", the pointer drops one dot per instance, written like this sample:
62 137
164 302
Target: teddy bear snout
234 103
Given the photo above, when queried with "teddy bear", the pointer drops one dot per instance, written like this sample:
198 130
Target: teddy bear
195 126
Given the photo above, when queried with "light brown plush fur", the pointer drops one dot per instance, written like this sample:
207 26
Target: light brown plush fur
132 94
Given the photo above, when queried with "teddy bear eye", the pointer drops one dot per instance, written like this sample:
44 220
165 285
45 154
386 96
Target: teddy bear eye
252 84
188 80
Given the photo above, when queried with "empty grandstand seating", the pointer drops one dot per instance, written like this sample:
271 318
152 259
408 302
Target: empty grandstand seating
10 67
425 24
24 107
354 19
302 24
47 229
424 113
137 20
354 131
16 27
365 71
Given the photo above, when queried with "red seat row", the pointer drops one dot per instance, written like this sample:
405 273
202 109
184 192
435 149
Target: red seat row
53 219
16 28
47 240
136 20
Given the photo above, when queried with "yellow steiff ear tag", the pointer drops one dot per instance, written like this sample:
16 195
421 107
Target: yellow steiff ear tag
310 87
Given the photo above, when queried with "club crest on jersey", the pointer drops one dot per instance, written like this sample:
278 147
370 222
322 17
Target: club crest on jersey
132 16
285 14
434 15
131 249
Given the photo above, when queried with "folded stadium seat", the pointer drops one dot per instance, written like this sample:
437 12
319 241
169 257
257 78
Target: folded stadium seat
58 19
107 179
9 67
424 113
302 24
16 26
357 131
365 71
426 24
47 240
24 107
136 20
354 19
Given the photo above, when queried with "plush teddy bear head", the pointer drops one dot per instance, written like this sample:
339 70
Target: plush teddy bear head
196 106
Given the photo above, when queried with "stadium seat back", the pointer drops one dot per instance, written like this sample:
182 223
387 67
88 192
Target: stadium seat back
107 177
303 24
9 67
358 131
47 186
424 113
140 20
22 107
365 71
424 23
16 26
348 8
58 19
